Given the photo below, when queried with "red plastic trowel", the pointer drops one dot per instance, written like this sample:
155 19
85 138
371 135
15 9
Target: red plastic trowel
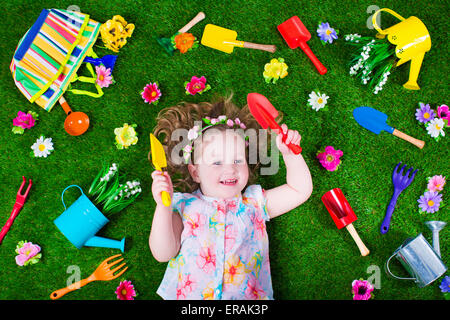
343 215
295 34
265 113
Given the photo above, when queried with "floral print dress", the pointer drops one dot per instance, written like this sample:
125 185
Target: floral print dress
224 248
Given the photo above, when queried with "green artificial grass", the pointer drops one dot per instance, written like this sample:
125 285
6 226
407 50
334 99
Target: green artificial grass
310 258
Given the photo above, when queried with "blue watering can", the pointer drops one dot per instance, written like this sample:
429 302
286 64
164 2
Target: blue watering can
81 221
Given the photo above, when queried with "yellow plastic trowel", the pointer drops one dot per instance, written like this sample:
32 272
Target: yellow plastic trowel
159 162
223 39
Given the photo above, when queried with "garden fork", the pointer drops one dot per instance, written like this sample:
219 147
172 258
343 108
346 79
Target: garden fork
103 272
20 200
401 182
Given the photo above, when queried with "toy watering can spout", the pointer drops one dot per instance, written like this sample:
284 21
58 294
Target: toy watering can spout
81 221
105 243
412 40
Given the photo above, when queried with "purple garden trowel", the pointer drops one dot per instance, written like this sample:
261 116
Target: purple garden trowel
401 182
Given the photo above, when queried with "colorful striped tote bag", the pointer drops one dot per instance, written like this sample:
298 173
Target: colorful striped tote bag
48 56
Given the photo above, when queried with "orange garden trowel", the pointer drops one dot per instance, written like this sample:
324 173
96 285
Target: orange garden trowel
265 113
225 40
159 162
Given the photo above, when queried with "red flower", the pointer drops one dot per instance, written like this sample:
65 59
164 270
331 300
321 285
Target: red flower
125 291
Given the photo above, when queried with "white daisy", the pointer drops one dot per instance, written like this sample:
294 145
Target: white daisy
42 147
436 127
317 101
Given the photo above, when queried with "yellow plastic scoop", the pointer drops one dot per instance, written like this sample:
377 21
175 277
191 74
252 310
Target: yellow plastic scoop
225 40
159 161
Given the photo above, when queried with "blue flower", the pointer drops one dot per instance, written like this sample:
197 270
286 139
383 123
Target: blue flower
326 33
445 284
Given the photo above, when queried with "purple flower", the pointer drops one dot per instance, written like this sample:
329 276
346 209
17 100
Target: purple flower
326 33
445 284
425 113
362 290
430 201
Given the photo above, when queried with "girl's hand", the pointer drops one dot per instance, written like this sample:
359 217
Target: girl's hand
161 182
292 137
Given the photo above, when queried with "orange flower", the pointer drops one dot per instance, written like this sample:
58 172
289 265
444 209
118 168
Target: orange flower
184 41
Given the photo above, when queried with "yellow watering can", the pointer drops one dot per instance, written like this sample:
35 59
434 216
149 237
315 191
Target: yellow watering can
412 40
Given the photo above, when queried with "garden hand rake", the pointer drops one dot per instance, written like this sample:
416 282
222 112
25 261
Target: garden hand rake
103 272
401 182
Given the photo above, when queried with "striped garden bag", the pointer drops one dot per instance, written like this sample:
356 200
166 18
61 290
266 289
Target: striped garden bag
48 56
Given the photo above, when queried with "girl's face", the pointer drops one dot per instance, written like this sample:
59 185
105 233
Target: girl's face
220 164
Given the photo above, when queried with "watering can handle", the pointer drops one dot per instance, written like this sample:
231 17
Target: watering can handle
62 194
389 271
374 18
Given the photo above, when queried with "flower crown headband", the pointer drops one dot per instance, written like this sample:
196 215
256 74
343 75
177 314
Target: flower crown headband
196 131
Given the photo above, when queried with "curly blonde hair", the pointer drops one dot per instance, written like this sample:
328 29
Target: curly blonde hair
183 116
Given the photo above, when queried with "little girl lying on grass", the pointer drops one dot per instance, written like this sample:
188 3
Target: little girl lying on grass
214 235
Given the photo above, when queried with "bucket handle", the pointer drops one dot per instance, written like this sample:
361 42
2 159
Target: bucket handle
62 194
374 18
389 271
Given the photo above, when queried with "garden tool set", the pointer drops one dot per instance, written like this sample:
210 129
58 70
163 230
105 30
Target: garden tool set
48 57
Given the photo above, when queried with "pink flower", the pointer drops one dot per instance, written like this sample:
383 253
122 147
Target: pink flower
206 259
24 120
193 224
361 290
260 226
26 252
104 78
230 237
196 85
125 291
436 183
443 112
330 158
253 290
151 93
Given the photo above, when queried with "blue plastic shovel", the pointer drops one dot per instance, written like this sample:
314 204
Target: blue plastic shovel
375 121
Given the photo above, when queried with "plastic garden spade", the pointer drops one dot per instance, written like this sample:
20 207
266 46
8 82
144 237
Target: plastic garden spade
166 43
375 121
225 40
265 113
401 182
295 34
343 215
159 161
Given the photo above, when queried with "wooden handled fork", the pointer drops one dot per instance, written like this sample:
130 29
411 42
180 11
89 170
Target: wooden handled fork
103 272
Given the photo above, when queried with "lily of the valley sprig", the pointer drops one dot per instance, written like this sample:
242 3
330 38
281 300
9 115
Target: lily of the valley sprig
111 191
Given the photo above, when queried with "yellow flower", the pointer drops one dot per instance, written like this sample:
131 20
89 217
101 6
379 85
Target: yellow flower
125 136
276 69
115 31
234 272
